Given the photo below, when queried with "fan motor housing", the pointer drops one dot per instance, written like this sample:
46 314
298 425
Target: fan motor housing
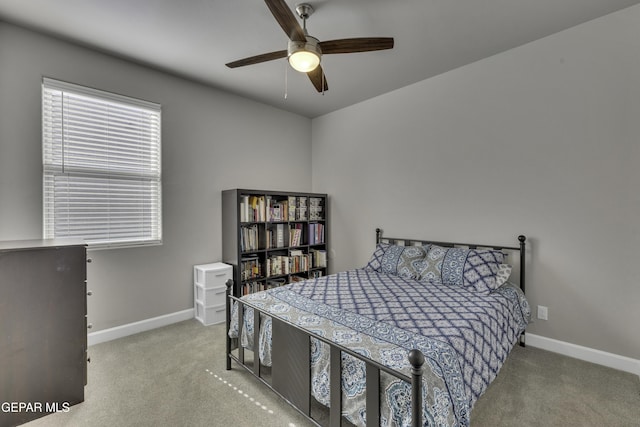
311 45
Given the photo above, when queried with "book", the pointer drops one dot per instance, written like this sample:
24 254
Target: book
295 234
250 267
315 209
249 240
316 233
244 208
279 236
292 208
319 258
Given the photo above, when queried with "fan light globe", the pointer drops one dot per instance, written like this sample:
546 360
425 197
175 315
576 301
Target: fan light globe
304 61
304 56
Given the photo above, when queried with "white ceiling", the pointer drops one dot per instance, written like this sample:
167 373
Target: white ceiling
195 38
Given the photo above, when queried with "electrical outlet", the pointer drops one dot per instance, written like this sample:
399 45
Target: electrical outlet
543 312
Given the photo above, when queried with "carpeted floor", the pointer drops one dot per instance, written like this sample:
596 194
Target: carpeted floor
175 376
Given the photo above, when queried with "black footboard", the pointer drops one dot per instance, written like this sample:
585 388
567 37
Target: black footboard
291 367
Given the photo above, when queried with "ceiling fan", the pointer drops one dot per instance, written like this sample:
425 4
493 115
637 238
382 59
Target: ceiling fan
304 51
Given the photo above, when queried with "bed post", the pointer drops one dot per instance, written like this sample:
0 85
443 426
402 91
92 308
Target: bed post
228 321
378 235
522 240
416 359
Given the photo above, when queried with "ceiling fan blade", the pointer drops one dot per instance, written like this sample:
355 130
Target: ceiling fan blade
318 79
286 19
258 59
361 44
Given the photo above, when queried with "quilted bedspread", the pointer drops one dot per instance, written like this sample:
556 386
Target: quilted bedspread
465 337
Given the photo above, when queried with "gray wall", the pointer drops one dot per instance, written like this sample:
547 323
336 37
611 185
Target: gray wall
541 140
211 141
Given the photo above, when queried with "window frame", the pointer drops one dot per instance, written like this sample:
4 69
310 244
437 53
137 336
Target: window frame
136 174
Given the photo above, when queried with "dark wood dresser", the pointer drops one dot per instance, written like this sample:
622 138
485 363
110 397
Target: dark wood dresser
43 328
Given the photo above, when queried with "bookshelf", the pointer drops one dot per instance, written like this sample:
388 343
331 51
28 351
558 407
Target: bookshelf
273 237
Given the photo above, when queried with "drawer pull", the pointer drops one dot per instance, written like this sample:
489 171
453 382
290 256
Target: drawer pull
89 293
89 326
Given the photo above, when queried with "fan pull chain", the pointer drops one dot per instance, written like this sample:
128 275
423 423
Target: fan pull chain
286 81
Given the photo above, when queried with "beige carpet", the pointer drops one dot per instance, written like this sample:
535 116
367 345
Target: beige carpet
175 376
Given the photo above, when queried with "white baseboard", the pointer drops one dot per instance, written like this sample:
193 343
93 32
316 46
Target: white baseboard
137 327
592 355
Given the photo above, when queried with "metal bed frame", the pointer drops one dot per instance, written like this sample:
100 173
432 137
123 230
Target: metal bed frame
291 364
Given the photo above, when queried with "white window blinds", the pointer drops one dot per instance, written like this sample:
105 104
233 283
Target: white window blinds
102 166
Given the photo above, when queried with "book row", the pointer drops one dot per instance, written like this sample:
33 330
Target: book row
280 236
273 209
296 261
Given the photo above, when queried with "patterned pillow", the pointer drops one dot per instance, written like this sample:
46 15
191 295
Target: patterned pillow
375 262
473 269
398 260
504 271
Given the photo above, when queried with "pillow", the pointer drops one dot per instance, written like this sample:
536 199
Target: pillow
398 260
472 269
504 271
375 262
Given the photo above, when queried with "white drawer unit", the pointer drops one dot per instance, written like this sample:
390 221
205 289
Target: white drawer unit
209 290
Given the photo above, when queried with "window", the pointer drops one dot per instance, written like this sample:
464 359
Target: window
101 167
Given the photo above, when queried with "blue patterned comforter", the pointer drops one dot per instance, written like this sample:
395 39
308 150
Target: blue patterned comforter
465 337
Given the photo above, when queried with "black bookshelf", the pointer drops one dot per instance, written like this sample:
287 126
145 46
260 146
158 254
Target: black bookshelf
273 237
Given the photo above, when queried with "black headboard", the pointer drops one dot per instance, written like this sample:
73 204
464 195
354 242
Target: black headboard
413 242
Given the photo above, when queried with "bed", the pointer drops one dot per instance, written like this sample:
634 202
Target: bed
412 338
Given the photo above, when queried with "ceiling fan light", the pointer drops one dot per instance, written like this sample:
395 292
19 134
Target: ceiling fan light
304 57
304 61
